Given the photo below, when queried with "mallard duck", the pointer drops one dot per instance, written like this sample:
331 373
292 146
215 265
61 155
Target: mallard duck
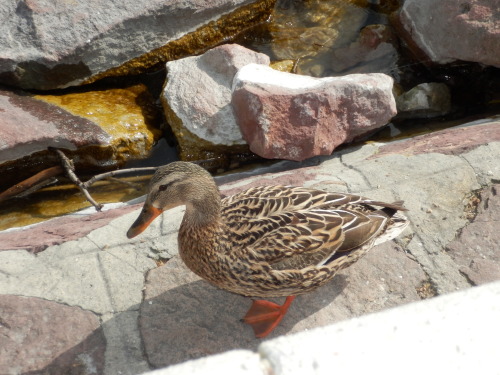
267 241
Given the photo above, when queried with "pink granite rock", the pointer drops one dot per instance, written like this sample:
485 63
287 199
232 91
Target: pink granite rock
29 125
38 237
453 141
449 30
287 116
45 337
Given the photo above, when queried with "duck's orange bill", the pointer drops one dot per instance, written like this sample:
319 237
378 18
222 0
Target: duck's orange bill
147 215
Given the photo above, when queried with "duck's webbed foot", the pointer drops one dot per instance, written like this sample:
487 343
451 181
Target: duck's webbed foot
264 316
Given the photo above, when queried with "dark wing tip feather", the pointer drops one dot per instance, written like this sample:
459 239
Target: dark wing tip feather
398 205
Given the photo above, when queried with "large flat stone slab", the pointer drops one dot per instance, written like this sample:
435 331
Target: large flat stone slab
154 312
449 333
183 317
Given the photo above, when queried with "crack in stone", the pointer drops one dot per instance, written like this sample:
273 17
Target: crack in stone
352 167
466 277
107 287
144 352
461 157
434 263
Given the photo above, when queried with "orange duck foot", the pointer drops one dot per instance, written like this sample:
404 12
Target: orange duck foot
264 316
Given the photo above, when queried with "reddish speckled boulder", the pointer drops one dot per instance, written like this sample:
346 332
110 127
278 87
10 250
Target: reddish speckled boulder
448 30
45 337
287 116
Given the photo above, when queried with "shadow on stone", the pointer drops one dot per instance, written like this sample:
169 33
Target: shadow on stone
195 319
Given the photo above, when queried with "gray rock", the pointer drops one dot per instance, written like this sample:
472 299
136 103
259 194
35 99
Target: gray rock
44 337
197 95
373 52
450 30
47 45
287 116
424 101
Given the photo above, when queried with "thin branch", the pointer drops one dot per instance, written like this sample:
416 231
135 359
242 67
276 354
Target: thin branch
133 185
102 176
34 182
70 168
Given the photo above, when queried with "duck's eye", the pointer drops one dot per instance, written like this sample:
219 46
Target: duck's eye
163 187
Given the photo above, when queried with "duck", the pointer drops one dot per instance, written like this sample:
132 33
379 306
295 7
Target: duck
266 241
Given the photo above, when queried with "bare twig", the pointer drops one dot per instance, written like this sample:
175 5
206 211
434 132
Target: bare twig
38 180
70 168
133 185
102 176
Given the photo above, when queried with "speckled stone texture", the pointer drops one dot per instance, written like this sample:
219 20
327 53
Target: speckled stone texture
44 337
449 30
287 116
477 247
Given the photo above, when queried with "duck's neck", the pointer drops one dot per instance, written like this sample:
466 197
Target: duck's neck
199 237
203 208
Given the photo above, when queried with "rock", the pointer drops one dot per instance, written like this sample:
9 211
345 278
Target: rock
287 116
477 248
373 52
424 101
100 128
183 317
31 341
451 30
197 98
47 45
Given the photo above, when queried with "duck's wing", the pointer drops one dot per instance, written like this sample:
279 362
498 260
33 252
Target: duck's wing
295 227
264 201
313 237
294 240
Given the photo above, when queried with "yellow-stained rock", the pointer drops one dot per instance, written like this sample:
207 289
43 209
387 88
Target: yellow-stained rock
126 114
287 66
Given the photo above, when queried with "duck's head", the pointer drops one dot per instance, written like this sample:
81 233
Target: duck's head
176 184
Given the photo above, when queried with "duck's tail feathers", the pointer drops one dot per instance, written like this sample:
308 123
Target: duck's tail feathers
397 224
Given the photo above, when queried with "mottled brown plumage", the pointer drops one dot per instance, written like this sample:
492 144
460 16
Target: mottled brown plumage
268 241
